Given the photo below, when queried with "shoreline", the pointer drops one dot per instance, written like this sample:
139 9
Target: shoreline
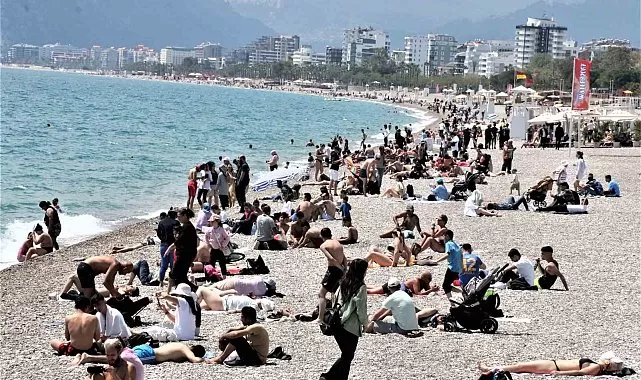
107 226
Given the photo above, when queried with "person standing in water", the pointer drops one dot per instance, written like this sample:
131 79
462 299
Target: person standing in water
52 221
273 161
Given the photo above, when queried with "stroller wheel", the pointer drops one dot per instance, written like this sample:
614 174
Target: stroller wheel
489 326
448 327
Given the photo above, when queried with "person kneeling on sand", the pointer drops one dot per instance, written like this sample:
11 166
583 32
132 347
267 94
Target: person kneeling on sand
352 232
250 342
419 286
42 243
84 279
312 239
473 206
398 314
82 331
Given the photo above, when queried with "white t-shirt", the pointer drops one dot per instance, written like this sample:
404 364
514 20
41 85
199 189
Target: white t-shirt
470 208
287 207
185 324
403 311
525 269
232 302
204 181
113 324
580 169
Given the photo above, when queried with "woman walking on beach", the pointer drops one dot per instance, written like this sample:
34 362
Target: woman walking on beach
353 298
185 249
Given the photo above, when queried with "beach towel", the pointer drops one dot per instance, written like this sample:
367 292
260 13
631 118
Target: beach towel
113 324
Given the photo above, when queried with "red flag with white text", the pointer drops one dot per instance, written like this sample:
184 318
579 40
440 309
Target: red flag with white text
581 85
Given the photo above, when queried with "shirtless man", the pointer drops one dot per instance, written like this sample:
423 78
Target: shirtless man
325 205
336 265
226 300
352 232
306 207
191 186
409 222
42 243
298 228
368 172
175 352
318 162
312 239
93 266
435 240
548 270
82 330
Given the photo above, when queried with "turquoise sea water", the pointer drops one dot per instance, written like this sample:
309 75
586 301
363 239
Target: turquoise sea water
119 148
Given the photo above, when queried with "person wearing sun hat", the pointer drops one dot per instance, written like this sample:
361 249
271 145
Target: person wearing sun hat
397 314
203 216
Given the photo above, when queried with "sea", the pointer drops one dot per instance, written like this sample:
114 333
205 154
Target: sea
116 150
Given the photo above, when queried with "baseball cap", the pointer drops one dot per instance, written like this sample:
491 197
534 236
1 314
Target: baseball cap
439 181
393 282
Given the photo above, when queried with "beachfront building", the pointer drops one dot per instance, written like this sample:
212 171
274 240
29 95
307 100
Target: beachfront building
595 47
24 53
68 56
570 49
538 36
208 50
476 51
398 56
432 53
176 55
270 49
493 63
125 57
359 44
109 59
142 53
333 55
305 56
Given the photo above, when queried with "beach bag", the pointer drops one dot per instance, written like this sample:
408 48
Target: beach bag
496 375
140 339
332 317
410 191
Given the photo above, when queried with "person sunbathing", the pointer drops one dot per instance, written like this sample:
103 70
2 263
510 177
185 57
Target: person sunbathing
312 239
395 252
473 206
419 286
24 248
128 248
572 367
42 243
433 240
254 286
217 300
409 221
82 331
352 232
174 352
397 190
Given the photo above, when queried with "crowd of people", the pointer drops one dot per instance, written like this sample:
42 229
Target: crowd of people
104 329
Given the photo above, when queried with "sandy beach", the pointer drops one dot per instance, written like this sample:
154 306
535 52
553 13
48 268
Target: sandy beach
598 253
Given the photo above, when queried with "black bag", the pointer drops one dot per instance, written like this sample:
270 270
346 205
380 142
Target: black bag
520 284
140 339
499 375
332 317
255 266
409 189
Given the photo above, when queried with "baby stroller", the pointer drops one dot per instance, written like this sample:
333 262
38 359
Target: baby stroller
476 312
461 190
537 197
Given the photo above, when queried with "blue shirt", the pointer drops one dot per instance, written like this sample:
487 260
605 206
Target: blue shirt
614 187
441 193
454 258
471 266
345 210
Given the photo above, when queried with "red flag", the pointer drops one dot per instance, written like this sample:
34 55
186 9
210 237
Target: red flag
581 85
529 81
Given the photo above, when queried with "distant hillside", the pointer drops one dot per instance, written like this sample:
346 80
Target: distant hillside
591 19
156 23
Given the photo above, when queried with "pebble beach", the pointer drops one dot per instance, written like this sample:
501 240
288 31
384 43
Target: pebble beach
598 253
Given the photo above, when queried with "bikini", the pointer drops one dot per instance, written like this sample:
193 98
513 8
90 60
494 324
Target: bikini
582 361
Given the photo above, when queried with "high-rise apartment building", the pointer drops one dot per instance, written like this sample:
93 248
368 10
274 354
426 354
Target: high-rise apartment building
538 36
359 44
24 53
269 49
333 55
208 50
431 52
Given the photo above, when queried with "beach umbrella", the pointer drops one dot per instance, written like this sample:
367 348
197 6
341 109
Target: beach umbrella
461 96
502 95
522 89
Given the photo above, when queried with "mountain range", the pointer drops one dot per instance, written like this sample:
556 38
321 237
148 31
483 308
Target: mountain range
154 23
160 23
322 22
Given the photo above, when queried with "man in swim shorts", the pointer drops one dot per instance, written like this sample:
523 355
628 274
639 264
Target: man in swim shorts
352 232
42 241
93 266
409 221
336 265
82 331
171 352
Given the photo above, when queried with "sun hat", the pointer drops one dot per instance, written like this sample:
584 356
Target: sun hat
439 181
206 207
270 282
214 217
184 290
393 282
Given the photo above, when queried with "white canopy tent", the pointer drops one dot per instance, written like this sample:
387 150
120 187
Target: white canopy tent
502 95
523 89
618 115
461 96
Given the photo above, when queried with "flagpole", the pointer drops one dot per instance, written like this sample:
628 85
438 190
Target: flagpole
572 108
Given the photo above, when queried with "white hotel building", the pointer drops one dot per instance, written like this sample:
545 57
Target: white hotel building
176 55
488 58
430 52
538 35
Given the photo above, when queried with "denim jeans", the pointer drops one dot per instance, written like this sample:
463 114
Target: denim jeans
165 262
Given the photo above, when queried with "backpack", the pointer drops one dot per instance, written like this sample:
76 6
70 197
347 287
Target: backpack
409 189
332 317
255 266
140 339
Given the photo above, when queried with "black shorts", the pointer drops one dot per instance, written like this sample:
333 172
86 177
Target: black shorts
47 249
332 279
86 276
449 278
362 173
